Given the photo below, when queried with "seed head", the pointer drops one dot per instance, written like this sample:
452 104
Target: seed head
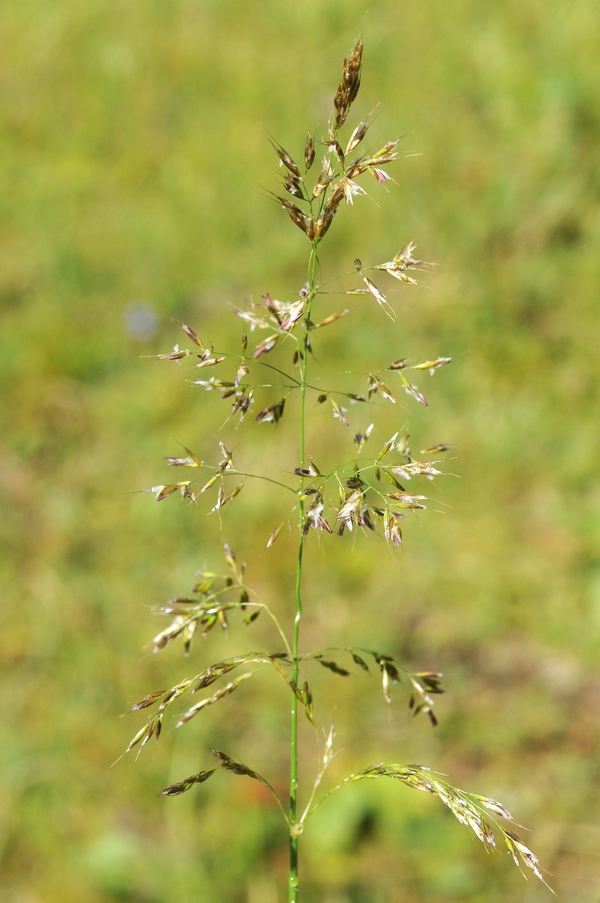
357 136
286 159
325 177
298 218
309 152
349 85
329 211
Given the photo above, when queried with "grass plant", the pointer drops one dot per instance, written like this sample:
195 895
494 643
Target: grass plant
278 371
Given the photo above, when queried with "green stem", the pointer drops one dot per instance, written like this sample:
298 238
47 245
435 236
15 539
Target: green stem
294 828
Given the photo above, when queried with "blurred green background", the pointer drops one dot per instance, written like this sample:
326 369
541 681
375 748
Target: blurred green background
134 156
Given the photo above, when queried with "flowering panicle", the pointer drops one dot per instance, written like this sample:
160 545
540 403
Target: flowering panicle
368 493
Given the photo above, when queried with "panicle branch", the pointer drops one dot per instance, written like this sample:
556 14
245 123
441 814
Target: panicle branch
474 811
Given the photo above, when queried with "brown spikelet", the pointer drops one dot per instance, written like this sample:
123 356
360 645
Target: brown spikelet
299 219
286 159
349 85
272 414
337 148
187 783
329 211
294 185
309 152
325 177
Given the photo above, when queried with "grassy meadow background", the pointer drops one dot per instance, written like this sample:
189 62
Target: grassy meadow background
134 155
